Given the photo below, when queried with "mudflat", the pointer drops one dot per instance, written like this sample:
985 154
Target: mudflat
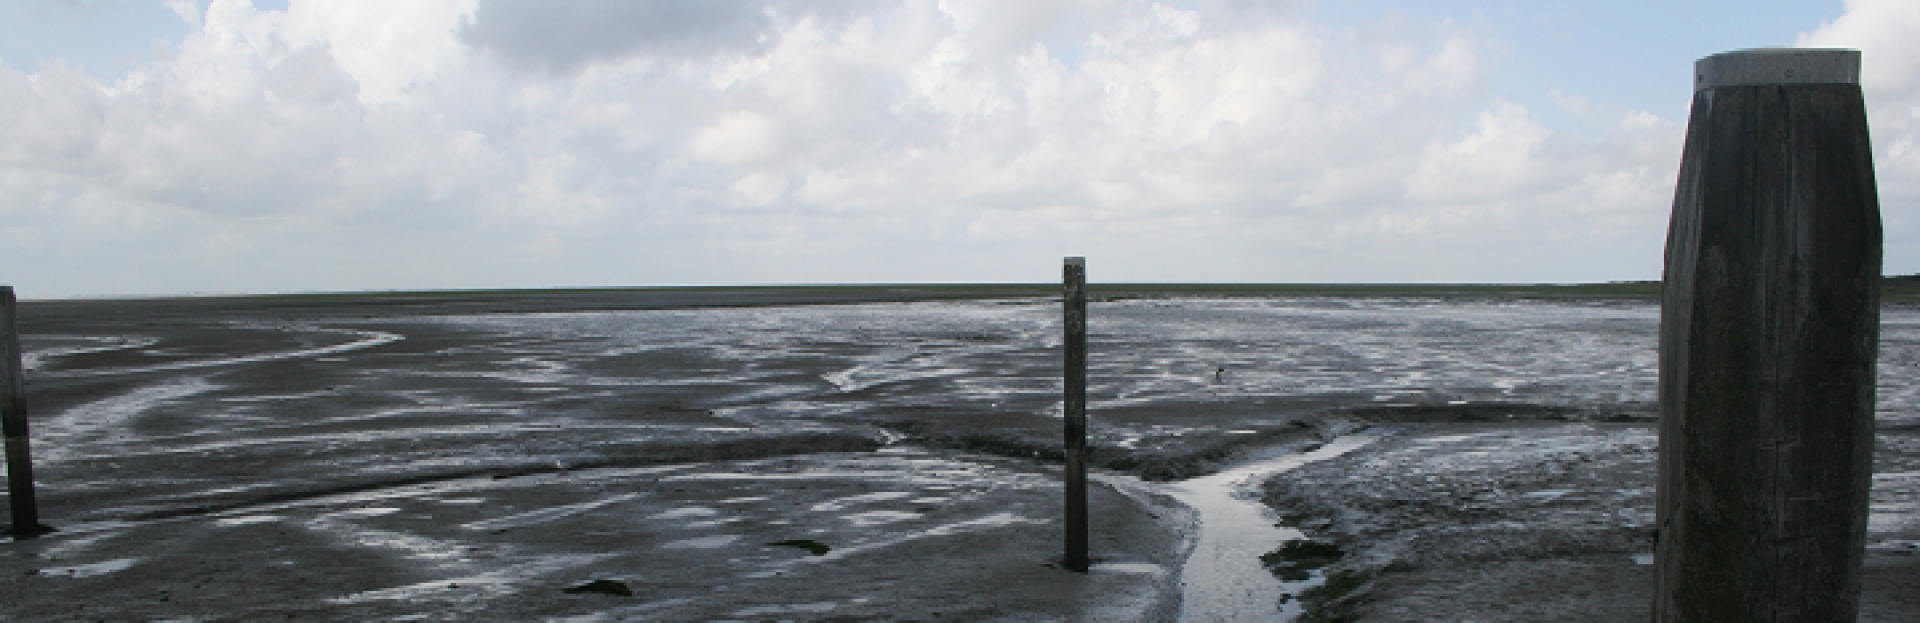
1534 521
368 458
886 453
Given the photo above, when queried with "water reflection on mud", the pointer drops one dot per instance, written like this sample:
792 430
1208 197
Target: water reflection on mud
1224 579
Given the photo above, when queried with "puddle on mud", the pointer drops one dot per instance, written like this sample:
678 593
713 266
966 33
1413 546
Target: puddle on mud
1224 578
811 608
879 518
41 349
367 339
703 542
684 512
479 585
1126 568
844 502
87 571
102 426
545 515
246 520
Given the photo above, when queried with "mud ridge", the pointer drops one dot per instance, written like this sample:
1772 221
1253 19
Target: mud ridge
637 455
1497 412
1149 465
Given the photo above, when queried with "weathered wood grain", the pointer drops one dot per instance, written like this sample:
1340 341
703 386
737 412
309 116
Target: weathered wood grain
1768 339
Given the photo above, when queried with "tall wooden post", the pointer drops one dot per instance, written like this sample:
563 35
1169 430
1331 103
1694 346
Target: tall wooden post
1076 412
1769 330
13 418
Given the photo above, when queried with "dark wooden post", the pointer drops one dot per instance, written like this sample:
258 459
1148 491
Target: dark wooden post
1076 412
13 418
1769 330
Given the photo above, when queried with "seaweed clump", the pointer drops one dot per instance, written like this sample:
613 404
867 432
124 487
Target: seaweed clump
1296 560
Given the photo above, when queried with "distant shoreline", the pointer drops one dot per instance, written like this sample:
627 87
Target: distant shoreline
882 292
1900 289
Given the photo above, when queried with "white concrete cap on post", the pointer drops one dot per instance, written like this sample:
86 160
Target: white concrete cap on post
1766 66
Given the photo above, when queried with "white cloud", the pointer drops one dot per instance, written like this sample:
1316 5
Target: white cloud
738 138
538 33
759 189
453 143
311 76
1887 33
188 10
1883 30
1496 160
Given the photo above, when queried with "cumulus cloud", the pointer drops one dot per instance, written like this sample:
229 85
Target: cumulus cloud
1887 33
363 144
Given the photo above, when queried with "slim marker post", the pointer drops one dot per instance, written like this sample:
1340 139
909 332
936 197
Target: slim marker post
1769 332
1076 412
13 418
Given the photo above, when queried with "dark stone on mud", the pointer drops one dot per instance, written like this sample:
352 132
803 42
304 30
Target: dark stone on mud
604 587
810 545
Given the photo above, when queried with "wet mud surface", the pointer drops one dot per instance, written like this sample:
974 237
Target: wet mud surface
901 535
1534 521
530 458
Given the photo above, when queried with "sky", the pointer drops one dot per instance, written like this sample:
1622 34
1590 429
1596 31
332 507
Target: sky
156 147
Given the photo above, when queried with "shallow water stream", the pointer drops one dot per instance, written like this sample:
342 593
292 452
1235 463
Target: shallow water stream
1224 579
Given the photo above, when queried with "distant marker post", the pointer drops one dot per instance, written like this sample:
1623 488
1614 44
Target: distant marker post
1076 412
13 417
